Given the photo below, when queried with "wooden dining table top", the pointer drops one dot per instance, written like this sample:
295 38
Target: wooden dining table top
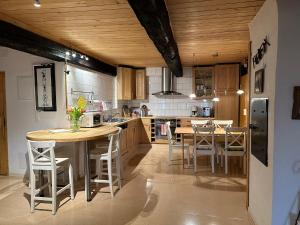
66 135
189 130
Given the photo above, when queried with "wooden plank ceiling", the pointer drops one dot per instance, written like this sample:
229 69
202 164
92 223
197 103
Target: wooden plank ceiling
110 31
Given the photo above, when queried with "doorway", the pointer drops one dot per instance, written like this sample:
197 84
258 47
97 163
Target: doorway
3 129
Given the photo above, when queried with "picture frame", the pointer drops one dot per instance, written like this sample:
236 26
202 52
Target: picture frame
259 81
296 104
45 88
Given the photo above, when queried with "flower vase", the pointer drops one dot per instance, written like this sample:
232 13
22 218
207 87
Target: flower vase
75 125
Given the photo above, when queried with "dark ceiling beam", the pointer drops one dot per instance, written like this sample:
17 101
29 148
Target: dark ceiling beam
153 16
20 39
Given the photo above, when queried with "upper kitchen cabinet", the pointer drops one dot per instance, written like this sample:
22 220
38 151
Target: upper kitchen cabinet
126 83
226 78
203 81
140 76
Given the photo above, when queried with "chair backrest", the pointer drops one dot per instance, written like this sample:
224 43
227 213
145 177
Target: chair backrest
200 122
114 142
222 123
235 138
41 152
169 132
204 137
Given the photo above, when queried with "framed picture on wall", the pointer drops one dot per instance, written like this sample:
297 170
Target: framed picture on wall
45 89
259 81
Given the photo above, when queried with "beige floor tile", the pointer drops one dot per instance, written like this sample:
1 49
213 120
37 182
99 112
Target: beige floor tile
154 192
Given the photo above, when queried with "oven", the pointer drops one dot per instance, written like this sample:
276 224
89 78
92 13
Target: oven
161 129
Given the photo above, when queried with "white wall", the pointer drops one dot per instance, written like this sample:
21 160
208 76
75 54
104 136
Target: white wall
264 24
21 114
286 174
102 85
170 105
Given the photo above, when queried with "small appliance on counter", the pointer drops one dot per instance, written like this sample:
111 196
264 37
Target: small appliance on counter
206 112
125 111
92 119
144 111
194 111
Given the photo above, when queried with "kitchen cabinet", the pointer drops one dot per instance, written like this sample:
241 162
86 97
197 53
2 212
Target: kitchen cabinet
226 78
123 144
126 83
145 132
203 81
227 108
140 77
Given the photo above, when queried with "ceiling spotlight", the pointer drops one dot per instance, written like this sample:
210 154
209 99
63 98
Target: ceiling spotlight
67 53
86 58
82 56
73 54
37 3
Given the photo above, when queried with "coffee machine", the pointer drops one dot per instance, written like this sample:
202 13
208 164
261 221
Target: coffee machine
194 110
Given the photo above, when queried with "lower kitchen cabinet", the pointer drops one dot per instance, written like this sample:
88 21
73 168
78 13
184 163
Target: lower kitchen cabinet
145 131
123 144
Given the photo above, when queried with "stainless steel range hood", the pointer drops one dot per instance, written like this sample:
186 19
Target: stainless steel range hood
166 83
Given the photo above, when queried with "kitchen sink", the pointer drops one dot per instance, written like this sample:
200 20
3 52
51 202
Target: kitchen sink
117 120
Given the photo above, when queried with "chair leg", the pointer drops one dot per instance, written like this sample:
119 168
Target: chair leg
109 171
195 160
213 163
188 155
32 191
49 181
222 158
118 167
54 192
170 153
245 164
71 181
226 163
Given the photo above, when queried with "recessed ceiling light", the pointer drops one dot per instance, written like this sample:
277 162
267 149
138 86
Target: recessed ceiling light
67 53
37 3
86 58
82 56
73 54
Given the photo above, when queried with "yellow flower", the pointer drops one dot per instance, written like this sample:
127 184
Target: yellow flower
81 102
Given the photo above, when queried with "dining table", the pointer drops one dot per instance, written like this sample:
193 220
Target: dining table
184 131
82 135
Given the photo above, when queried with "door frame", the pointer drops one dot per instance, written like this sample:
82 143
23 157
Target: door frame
4 154
248 122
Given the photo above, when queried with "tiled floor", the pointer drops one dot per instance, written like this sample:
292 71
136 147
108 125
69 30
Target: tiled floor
154 192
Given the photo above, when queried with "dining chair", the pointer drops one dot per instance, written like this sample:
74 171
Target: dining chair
42 158
111 156
200 122
204 144
219 150
222 123
176 145
235 145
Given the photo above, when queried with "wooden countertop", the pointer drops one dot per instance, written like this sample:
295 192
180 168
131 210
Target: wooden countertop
84 134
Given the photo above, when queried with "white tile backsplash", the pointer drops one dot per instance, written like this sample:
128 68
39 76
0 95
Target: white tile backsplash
169 105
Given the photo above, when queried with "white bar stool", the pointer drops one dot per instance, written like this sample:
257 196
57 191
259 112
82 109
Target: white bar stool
112 155
42 158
